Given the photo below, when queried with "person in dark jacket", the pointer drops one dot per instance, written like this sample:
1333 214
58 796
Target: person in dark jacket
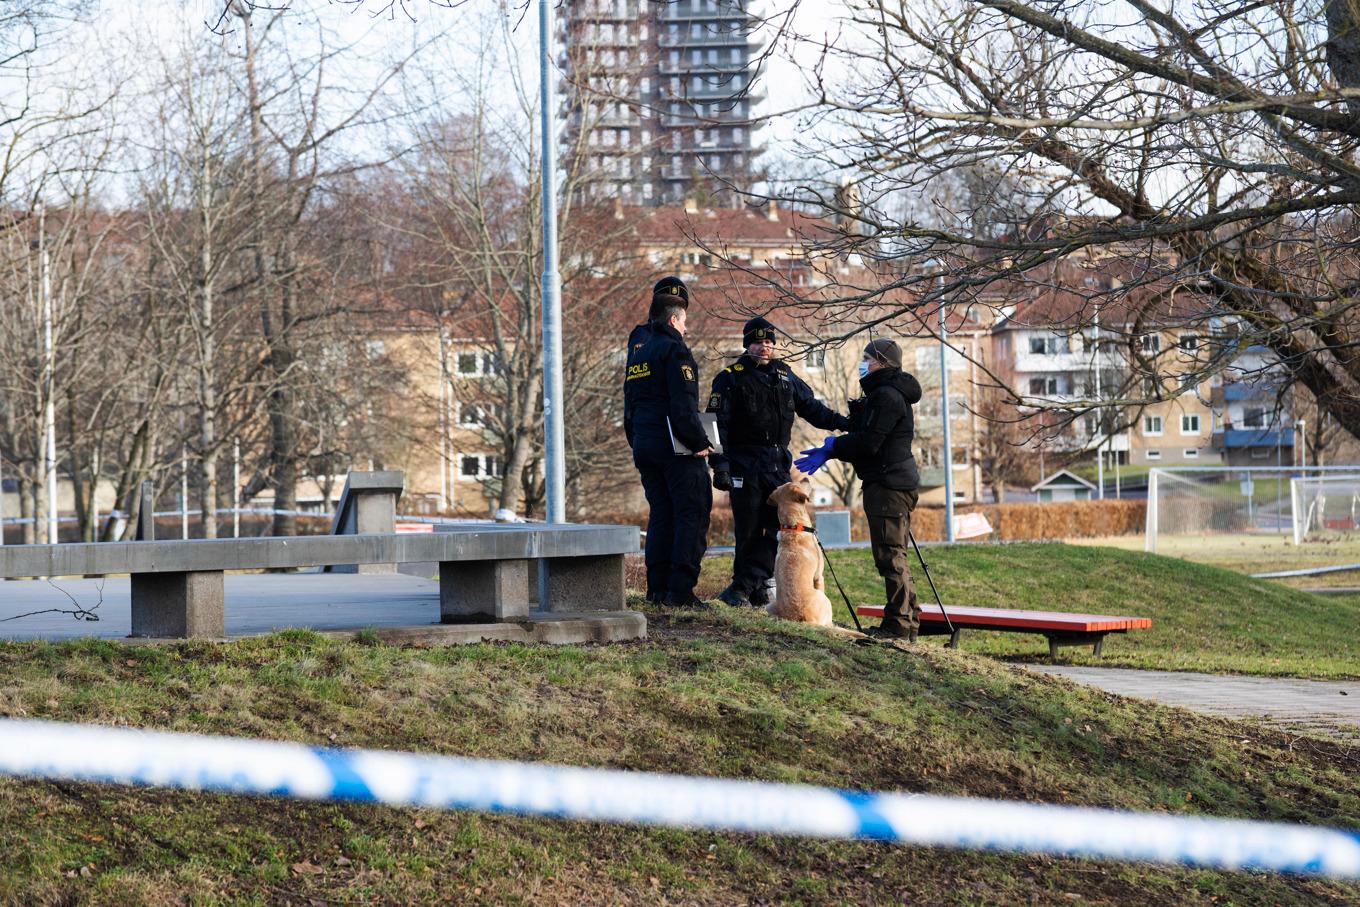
756 399
661 406
878 446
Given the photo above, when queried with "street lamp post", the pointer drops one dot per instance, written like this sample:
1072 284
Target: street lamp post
944 417
553 434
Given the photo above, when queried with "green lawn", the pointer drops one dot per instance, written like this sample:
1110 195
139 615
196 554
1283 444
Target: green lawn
1249 552
1204 618
723 693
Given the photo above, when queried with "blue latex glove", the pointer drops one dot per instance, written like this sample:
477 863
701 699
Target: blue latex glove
814 459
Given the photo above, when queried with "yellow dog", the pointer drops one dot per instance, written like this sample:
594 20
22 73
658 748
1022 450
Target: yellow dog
799 590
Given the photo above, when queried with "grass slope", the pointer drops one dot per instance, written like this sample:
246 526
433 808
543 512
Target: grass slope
1203 618
727 693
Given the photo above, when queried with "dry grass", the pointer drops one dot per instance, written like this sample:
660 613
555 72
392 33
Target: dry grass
725 693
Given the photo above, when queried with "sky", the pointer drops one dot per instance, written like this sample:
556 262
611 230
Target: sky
379 29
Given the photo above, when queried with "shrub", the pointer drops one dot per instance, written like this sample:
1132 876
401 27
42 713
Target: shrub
1010 522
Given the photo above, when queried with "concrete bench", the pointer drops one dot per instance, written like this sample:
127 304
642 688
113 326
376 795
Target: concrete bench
487 572
1060 628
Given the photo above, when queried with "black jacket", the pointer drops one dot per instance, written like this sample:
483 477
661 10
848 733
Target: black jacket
661 381
756 407
881 430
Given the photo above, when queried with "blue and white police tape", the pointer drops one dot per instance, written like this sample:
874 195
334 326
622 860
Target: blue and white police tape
39 749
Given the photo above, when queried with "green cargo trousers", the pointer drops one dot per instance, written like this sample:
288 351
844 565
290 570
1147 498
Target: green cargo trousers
888 512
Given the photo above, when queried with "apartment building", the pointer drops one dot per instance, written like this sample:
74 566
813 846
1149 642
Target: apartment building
660 99
1057 355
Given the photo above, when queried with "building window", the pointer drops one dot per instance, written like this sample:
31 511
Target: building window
481 466
469 364
1254 418
1153 454
1190 453
471 415
816 358
1188 342
1047 385
1044 346
1260 453
1152 425
1152 343
1151 387
1190 424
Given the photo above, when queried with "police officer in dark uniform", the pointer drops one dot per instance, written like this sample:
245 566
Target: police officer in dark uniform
661 401
879 448
756 399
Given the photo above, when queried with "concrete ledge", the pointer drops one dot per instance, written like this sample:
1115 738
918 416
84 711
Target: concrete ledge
483 591
187 605
589 583
540 628
464 543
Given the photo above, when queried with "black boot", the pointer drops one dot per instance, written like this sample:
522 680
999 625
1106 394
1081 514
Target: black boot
688 600
734 597
893 631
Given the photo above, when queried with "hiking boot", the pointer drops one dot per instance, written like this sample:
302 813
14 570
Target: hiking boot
734 597
690 601
890 631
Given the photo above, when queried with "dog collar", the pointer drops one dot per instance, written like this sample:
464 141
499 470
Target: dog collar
797 527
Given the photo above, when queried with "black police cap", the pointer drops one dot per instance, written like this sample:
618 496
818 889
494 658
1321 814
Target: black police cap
757 329
672 286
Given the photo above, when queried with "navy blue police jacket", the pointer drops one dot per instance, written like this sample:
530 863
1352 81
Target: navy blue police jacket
756 406
661 383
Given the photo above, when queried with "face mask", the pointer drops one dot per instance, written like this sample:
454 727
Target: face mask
864 369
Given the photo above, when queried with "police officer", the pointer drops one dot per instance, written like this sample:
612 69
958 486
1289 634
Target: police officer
756 399
661 402
879 447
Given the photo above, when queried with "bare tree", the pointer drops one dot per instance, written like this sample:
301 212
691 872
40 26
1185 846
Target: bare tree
1209 150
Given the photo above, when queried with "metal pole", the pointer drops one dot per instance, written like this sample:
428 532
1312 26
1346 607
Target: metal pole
1100 418
49 380
236 488
944 417
184 492
554 446
2 501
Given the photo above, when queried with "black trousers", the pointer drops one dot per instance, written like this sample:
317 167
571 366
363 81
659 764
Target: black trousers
679 498
755 523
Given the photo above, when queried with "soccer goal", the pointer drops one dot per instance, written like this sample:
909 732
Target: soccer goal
1192 509
1324 506
1188 505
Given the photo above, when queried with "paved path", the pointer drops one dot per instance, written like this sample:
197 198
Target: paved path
1316 706
255 603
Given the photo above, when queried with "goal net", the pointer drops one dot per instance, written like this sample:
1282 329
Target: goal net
1324 507
1186 507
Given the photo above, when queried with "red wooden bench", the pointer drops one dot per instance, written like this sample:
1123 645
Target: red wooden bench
1061 628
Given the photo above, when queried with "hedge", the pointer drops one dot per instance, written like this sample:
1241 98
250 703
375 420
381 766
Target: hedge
1009 522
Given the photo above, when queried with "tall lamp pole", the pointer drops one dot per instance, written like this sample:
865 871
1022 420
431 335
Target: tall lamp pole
944 418
553 436
48 381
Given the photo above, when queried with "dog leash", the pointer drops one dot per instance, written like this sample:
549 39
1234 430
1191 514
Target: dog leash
832 570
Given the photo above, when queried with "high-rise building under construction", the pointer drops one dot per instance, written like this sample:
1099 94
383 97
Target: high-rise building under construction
659 98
